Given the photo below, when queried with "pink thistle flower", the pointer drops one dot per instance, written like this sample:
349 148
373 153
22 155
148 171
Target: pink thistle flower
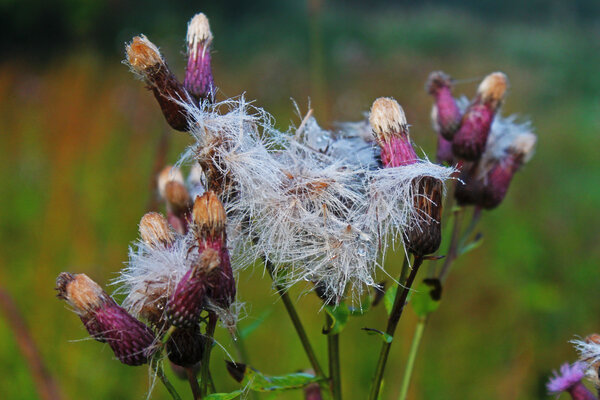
568 379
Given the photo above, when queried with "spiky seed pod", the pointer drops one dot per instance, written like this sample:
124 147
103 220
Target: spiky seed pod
448 115
391 130
209 225
185 346
198 73
470 139
187 301
147 62
154 230
500 175
131 340
425 235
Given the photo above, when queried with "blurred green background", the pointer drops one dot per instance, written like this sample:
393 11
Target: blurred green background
79 135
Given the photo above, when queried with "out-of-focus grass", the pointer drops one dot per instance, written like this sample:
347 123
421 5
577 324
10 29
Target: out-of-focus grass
76 149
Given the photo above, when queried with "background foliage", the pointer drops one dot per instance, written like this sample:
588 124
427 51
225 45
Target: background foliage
79 136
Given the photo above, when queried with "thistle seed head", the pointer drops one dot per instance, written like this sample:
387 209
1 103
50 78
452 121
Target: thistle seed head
131 340
389 125
166 175
81 293
178 198
492 89
209 216
387 119
143 56
155 231
145 61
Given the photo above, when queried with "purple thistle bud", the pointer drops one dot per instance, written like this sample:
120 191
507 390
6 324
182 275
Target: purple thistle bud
131 340
569 380
312 391
186 346
470 139
388 122
198 73
209 223
187 301
448 116
146 61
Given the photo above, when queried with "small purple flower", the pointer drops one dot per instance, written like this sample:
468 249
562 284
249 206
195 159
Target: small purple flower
568 379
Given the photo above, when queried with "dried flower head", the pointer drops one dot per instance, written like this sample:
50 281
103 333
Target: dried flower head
389 125
155 230
198 73
146 62
302 199
131 340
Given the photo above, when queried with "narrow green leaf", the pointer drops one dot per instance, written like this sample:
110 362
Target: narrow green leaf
258 382
384 336
339 314
472 245
224 396
388 299
247 330
426 297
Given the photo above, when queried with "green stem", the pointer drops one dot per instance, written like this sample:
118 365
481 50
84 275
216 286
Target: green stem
399 303
404 271
453 247
333 348
157 365
205 377
291 310
412 355
467 233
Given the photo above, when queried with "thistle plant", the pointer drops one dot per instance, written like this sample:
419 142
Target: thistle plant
319 208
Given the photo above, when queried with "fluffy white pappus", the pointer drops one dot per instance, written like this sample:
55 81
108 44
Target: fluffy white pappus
589 351
152 272
507 136
390 207
311 201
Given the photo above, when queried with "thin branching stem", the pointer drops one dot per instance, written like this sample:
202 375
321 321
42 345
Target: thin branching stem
412 356
453 247
396 313
291 310
205 377
158 368
333 349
